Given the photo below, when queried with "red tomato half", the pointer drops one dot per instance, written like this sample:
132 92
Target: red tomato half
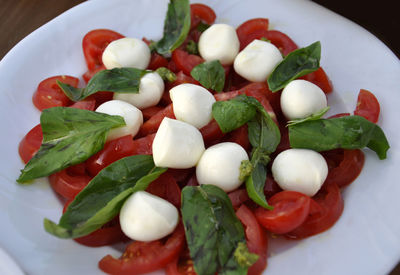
290 210
94 43
86 104
166 187
201 12
67 183
320 78
245 30
157 61
90 73
257 242
239 136
152 124
211 133
238 197
367 106
325 209
113 150
143 257
184 61
150 111
48 94
30 144
348 168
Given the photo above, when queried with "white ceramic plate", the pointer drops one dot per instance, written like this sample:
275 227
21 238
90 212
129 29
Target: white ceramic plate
366 240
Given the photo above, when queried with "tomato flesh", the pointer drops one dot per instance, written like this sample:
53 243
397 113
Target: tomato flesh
166 187
30 144
185 61
246 29
201 12
152 124
367 106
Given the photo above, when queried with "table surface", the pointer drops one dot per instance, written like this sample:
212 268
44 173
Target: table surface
21 17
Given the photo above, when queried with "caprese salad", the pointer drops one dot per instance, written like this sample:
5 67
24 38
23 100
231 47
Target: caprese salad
193 148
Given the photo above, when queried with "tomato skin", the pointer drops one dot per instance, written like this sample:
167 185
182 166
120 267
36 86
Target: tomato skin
290 210
340 115
30 144
271 187
238 197
150 111
48 94
68 184
86 104
348 168
321 79
367 106
113 150
142 257
325 209
201 12
256 239
152 124
90 73
166 187
94 43
245 30
211 133
157 61
184 61
239 136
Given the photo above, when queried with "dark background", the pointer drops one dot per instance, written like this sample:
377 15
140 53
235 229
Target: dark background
18 18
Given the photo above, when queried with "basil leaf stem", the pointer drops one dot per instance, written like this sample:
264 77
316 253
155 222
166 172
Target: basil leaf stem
349 132
176 26
296 64
211 75
118 80
101 200
70 136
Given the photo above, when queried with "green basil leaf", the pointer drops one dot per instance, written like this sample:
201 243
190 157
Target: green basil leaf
315 116
166 74
349 132
176 26
192 47
101 200
118 80
264 133
255 185
70 136
232 114
211 75
213 232
296 64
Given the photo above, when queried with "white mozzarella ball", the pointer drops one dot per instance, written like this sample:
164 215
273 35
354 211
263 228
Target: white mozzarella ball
126 52
300 170
192 104
151 89
145 217
219 42
133 117
257 61
177 144
302 98
220 165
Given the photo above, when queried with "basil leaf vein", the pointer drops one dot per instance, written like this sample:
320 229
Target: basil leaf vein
101 200
176 26
211 75
350 132
296 64
117 80
213 232
70 136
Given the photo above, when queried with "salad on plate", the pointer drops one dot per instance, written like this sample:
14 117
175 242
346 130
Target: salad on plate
193 149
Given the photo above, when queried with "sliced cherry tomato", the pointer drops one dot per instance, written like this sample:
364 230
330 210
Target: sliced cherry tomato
110 233
143 257
181 175
94 43
367 106
239 136
87 104
182 265
166 187
157 61
325 210
320 78
340 115
152 124
184 61
101 97
48 94
150 111
238 197
30 144
143 145
227 95
68 184
348 168
290 210
211 133
271 187
90 73
257 242
113 150
201 12
246 29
